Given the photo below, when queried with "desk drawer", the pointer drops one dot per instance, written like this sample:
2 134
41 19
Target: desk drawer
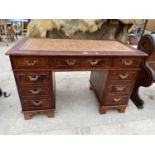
120 88
36 104
116 100
29 62
126 62
68 62
31 78
123 75
35 91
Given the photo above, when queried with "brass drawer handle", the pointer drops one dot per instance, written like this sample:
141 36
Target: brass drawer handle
120 88
31 62
35 91
94 62
123 76
37 103
127 62
35 78
70 62
117 99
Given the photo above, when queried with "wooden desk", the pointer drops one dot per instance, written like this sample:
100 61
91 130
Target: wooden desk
114 69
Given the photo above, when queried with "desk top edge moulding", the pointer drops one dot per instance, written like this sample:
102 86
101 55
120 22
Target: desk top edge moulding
116 71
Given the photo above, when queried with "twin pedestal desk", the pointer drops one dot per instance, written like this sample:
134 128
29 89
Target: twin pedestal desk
115 71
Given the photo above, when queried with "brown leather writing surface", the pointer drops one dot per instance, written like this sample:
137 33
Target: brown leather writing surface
62 47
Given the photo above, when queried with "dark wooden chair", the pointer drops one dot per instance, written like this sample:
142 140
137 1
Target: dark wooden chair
147 42
147 74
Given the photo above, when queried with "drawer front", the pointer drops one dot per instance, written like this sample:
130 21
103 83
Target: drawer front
29 62
33 78
120 88
36 104
68 62
116 100
35 91
123 75
126 62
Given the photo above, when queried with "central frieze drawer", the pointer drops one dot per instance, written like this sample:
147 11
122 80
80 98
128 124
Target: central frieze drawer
72 62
